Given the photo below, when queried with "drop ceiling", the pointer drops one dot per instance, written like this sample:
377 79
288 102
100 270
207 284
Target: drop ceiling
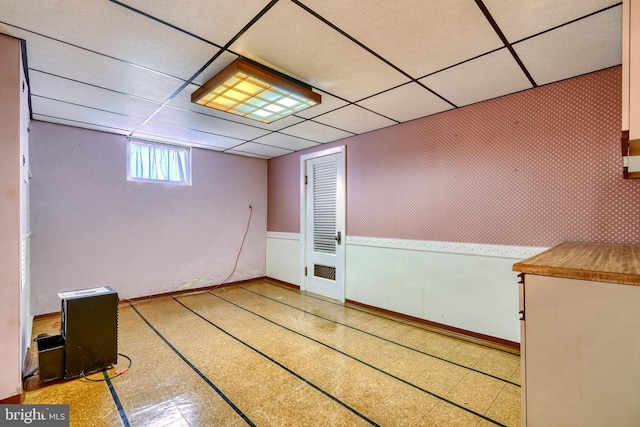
129 67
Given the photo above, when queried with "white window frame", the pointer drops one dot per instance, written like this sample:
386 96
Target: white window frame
186 151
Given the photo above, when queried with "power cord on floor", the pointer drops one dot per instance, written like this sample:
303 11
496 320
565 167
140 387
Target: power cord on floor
116 374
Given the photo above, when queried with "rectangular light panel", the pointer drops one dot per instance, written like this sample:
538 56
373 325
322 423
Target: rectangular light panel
252 91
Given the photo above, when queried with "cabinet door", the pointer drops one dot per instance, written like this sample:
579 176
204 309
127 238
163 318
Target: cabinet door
523 346
631 83
582 353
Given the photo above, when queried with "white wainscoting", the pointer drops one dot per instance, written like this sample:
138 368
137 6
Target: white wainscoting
464 285
283 257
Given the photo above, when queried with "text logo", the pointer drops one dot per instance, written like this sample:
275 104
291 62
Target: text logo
34 415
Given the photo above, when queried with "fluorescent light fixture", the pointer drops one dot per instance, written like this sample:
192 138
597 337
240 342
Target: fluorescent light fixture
250 90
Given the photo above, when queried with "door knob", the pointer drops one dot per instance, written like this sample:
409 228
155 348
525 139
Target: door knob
338 238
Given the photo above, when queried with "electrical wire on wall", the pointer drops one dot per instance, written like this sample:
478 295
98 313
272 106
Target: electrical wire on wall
240 250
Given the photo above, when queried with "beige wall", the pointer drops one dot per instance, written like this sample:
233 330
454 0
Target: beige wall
10 81
91 227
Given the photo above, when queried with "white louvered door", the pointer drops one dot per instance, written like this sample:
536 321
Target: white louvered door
324 225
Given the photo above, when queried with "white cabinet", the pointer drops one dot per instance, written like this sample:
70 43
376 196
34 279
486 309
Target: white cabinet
580 353
580 343
631 87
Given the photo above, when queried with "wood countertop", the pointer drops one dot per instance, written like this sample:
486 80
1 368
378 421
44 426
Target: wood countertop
587 261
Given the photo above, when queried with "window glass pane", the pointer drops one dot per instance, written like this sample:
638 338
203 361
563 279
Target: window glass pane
154 162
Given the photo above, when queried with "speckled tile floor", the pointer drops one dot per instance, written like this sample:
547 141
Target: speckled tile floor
267 355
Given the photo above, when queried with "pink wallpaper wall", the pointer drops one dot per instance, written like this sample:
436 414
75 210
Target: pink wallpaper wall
534 168
283 185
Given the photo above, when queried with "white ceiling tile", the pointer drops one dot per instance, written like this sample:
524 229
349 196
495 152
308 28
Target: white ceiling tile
113 30
188 15
316 132
183 100
309 50
261 150
48 86
202 122
61 110
82 125
419 36
327 104
63 60
523 18
354 119
277 139
406 102
214 68
487 77
584 46
187 135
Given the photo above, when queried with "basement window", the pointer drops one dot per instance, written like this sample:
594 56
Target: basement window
155 162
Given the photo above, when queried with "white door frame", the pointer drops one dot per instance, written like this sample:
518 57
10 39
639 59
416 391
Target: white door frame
340 211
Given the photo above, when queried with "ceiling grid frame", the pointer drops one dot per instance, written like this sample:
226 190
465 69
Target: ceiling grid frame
60 108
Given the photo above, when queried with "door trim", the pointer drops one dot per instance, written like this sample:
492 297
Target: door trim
340 209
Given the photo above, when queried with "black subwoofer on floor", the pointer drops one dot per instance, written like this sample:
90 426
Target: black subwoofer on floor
90 330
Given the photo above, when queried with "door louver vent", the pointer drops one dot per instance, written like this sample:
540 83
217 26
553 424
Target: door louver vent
324 207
